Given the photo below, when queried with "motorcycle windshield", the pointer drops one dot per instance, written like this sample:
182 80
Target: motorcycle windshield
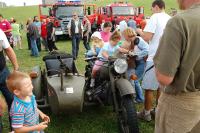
66 11
123 10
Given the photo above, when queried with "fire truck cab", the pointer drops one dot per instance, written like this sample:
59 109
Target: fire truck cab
61 13
120 11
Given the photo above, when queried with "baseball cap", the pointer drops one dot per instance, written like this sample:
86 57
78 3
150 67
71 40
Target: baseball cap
96 34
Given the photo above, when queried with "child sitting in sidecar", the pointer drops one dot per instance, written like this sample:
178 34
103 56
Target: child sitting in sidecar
97 44
109 49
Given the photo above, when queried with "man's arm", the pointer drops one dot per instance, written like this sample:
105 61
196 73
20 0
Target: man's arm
163 79
11 55
69 28
9 30
147 36
168 56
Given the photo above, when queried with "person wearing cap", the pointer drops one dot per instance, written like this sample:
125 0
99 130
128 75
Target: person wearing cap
132 23
97 44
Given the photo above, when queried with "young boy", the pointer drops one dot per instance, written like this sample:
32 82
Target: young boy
24 112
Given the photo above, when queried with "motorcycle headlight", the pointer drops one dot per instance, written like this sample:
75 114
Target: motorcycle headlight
120 66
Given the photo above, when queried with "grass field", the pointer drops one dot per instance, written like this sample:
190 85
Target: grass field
93 119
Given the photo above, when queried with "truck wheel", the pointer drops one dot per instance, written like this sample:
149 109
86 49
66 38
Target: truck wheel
128 122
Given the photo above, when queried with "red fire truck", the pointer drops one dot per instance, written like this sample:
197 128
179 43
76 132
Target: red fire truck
120 11
61 13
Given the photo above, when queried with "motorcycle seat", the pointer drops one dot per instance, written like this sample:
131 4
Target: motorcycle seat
53 64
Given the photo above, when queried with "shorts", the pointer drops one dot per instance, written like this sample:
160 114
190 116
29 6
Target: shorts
178 113
149 81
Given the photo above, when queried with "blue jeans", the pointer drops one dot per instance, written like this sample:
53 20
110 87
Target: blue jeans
75 45
4 90
34 49
139 71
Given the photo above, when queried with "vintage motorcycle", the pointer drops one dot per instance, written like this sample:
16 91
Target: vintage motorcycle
113 88
61 88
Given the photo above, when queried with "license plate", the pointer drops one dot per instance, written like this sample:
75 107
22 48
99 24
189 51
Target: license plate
58 32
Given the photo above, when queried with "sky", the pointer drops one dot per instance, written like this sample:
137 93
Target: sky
21 2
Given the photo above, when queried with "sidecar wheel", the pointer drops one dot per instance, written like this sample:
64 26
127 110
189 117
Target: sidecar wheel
128 122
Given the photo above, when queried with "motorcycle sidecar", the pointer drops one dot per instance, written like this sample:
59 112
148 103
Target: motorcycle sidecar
59 86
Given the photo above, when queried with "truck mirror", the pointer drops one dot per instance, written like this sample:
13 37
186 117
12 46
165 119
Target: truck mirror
50 12
89 11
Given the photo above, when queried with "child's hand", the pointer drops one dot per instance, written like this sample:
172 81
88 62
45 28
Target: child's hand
42 126
45 118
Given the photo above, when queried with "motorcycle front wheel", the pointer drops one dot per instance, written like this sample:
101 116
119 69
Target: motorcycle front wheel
128 122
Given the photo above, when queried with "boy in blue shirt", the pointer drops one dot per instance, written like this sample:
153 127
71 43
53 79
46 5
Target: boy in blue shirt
24 112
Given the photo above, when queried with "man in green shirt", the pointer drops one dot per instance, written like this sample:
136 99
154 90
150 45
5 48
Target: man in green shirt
177 64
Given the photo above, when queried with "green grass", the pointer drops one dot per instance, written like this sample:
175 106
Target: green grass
93 119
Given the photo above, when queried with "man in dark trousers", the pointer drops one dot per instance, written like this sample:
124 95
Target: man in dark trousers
75 29
50 35
4 72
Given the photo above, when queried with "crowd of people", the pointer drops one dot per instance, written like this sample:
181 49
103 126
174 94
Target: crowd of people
167 62
40 32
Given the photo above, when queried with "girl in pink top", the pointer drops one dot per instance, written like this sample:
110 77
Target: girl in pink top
105 34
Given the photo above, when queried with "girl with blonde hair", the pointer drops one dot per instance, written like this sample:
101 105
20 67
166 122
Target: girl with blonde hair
137 63
96 44
109 49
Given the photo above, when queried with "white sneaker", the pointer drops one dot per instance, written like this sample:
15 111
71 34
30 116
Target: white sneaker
92 82
144 116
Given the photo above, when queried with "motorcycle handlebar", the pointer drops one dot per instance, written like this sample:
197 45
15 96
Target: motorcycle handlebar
91 58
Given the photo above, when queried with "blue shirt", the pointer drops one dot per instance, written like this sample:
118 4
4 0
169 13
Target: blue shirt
38 24
24 113
107 47
142 49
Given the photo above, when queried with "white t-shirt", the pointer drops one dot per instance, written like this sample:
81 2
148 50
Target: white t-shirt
156 25
4 44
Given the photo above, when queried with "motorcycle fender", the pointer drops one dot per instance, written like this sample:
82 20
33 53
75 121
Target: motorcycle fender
37 87
124 87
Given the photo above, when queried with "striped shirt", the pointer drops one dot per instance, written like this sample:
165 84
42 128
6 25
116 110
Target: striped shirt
24 113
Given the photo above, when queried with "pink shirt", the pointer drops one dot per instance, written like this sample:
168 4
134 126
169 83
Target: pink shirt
105 36
5 25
